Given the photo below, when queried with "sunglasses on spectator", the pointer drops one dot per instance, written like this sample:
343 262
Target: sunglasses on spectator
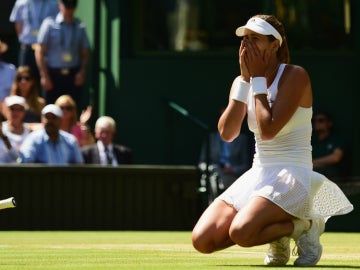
26 78
67 108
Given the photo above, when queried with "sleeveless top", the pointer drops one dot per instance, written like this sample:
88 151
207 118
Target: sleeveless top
282 169
292 145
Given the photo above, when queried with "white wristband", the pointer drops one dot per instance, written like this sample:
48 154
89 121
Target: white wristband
259 86
241 90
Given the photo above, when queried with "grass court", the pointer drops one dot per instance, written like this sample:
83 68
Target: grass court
92 250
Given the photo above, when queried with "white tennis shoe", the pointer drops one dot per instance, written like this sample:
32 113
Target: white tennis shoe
278 253
308 245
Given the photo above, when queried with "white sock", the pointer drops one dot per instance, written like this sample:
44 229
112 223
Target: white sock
300 225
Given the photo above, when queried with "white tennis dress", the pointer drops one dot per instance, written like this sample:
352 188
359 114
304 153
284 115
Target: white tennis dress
282 169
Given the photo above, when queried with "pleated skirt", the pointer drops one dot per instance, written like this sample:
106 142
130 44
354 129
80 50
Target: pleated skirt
299 191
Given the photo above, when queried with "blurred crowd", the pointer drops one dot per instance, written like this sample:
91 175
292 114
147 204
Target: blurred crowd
41 121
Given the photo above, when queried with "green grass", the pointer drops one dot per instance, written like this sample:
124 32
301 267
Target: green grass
149 250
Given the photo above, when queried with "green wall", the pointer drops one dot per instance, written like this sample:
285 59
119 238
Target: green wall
137 95
135 88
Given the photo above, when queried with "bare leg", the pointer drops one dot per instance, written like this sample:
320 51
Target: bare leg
211 233
260 222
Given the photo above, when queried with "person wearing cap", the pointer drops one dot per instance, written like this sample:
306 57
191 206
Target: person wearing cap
13 131
280 197
62 54
27 16
7 73
50 144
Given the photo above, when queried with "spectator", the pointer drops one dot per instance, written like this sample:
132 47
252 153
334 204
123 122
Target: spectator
104 151
50 144
25 85
328 148
227 160
27 15
62 54
7 74
13 131
70 123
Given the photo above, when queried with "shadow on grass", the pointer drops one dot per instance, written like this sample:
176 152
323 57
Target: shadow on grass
292 266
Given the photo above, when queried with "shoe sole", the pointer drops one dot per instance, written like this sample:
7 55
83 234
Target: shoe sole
275 264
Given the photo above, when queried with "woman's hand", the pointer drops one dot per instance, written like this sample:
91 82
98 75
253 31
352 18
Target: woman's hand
46 83
79 78
255 60
245 75
85 115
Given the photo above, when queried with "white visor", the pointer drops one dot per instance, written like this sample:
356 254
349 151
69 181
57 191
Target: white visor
259 26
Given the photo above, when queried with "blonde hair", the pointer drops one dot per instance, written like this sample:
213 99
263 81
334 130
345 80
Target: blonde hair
64 99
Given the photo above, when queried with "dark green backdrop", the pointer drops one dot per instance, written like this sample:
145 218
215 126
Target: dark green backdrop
135 87
139 85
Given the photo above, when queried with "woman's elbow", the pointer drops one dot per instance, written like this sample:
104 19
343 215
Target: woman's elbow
227 136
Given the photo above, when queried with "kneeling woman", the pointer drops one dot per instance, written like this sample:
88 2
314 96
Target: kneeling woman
280 197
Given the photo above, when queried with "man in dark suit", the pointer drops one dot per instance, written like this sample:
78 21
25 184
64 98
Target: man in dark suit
104 151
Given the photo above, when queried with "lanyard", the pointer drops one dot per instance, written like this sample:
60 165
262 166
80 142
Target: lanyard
41 14
67 46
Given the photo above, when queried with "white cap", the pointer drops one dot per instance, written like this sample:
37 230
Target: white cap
259 26
52 108
14 100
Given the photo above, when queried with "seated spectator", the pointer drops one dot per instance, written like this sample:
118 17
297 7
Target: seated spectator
13 131
70 123
7 74
50 144
328 148
104 151
25 85
227 161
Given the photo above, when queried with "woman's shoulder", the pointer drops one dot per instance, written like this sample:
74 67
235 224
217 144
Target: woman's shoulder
298 80
296 69
296 74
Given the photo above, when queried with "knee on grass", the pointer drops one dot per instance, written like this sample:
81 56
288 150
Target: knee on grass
202 243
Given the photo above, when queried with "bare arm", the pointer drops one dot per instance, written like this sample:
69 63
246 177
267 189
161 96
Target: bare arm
294 90
40 61
332 159
18 28
81 75
230 122
84 60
